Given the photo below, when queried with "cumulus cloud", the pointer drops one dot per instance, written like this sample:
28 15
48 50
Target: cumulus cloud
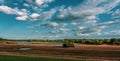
40 2
79 14
47 15
113 32
80 20
22 14
74 23
87 14
63 25
80 27
88 10
22 17
79 34
98 28
53 24
109 23
29 1
26 5
7 10
34 15
64 30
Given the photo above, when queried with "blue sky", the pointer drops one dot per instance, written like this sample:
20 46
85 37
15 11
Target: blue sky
59 19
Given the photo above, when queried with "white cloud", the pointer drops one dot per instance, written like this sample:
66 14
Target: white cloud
94 30
55 32
80 34
88 10
113 32
74 23
29 1
91 17
79 13
26 5
98 33
86 15
53 24
63 24
34 15
64 30
80 27
22 14
40 2
105 4
22 18
7 10
109 23
47 15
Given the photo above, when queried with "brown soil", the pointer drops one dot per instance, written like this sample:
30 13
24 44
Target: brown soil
104 52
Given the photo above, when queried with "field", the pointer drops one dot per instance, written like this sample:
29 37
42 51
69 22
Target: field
21 58
90 52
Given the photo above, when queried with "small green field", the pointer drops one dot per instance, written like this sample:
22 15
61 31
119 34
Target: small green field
21 58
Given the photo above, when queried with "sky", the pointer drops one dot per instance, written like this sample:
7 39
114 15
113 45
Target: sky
59 19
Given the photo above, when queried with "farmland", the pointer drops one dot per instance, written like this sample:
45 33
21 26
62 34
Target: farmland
21 58
100 52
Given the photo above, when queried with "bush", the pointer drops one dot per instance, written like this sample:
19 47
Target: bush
68 44
117 43
10 42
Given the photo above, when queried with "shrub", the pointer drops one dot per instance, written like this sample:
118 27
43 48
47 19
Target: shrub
8 42
68 44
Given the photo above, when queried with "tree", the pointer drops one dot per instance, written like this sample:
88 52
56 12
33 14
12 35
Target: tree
68 43
113 41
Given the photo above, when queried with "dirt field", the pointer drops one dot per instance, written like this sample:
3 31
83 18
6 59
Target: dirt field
102 52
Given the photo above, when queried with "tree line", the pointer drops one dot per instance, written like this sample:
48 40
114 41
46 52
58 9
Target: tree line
112 41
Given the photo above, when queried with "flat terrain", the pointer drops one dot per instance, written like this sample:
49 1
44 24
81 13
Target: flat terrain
102 52
22 58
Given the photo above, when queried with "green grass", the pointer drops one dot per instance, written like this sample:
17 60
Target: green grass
21 58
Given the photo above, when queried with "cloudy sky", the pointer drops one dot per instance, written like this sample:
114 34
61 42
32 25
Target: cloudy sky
59 19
